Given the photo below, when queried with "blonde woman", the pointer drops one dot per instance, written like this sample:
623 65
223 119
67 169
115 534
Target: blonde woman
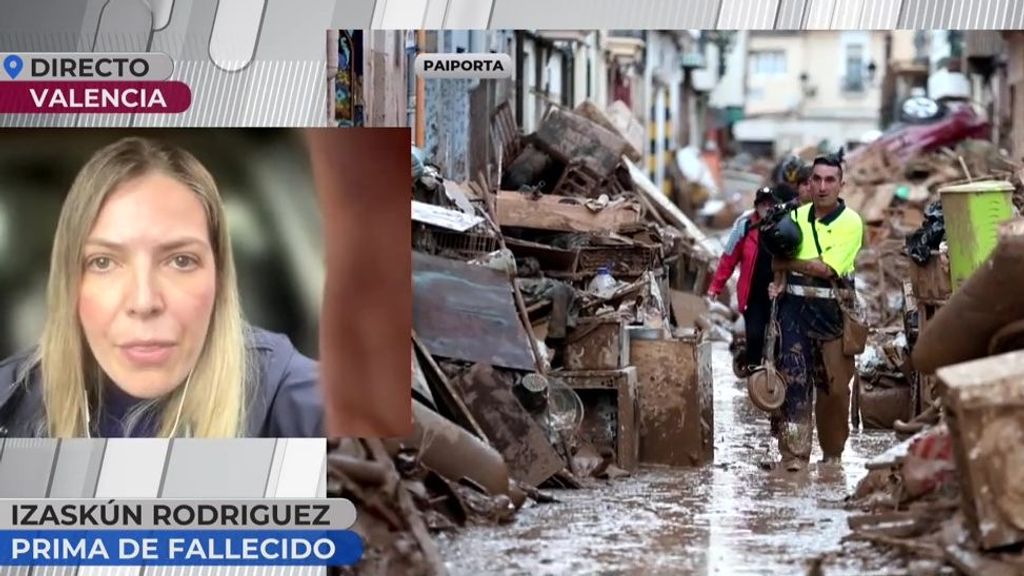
144 335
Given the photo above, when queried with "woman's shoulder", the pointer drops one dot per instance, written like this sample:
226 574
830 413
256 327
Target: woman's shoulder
14 369
289 384
20 398
276 354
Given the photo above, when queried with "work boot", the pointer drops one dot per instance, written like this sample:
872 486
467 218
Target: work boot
793 464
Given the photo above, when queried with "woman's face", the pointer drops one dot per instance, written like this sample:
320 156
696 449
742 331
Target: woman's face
148 285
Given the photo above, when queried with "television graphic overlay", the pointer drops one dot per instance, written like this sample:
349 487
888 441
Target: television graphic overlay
134 503
151 246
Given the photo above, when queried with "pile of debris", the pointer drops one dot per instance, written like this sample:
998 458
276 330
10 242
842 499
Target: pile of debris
557 336
951 493
903 268
899 201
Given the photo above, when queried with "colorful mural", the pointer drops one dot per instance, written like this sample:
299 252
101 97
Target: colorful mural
348 85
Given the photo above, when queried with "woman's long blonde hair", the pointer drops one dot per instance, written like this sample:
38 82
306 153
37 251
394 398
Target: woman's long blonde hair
215 403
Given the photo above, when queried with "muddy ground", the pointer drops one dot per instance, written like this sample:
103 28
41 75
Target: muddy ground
731 517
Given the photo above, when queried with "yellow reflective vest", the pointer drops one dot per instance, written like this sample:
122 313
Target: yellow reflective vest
840 236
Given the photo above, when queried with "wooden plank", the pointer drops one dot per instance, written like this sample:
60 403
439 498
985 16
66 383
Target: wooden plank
448 402
563 214
670 211
551 259
931 282
570 137
985 413
686 307
619 119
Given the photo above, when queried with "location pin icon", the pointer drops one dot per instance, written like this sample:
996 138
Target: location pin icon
13 65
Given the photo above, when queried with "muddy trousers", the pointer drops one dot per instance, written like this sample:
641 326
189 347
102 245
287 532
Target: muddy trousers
817 373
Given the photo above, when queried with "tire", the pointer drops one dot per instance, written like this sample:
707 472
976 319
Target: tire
739 364
920 110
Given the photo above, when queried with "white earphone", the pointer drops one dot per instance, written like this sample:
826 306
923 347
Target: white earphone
177 416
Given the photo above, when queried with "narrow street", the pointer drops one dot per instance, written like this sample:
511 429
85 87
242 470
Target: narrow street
594 237
730 517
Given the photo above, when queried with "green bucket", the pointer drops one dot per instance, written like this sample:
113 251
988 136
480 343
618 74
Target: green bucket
973 213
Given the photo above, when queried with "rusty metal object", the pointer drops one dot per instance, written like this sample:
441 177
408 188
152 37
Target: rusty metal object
453 452
467 312
767 389
883 404
673 402
510 428
987 301
766 386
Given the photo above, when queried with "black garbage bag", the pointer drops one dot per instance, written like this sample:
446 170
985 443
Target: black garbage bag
928 237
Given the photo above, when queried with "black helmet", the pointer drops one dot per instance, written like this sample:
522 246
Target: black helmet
784 193
804 174
788 171
782 237
764 194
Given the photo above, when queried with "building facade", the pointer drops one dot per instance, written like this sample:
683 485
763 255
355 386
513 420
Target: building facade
811 88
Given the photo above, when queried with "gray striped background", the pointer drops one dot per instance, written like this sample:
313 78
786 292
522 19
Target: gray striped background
145 468
707 14
262 62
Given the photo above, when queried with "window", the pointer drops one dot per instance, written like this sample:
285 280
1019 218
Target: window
768 62
854 80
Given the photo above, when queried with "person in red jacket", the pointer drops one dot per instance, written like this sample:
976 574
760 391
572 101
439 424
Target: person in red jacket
744 248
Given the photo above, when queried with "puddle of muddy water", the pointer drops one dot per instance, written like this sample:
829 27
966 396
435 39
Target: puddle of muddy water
730 517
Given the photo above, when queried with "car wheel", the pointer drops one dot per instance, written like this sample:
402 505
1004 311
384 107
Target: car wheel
920 110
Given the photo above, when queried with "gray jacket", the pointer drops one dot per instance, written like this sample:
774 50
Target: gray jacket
286 403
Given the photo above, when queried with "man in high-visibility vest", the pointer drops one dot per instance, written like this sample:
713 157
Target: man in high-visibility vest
810 320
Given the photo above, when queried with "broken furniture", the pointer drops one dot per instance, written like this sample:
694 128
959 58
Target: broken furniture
985 412
453 452
611 417
989 302
597 344
676 411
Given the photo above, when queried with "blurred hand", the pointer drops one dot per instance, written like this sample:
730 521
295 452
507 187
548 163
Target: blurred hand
774 289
